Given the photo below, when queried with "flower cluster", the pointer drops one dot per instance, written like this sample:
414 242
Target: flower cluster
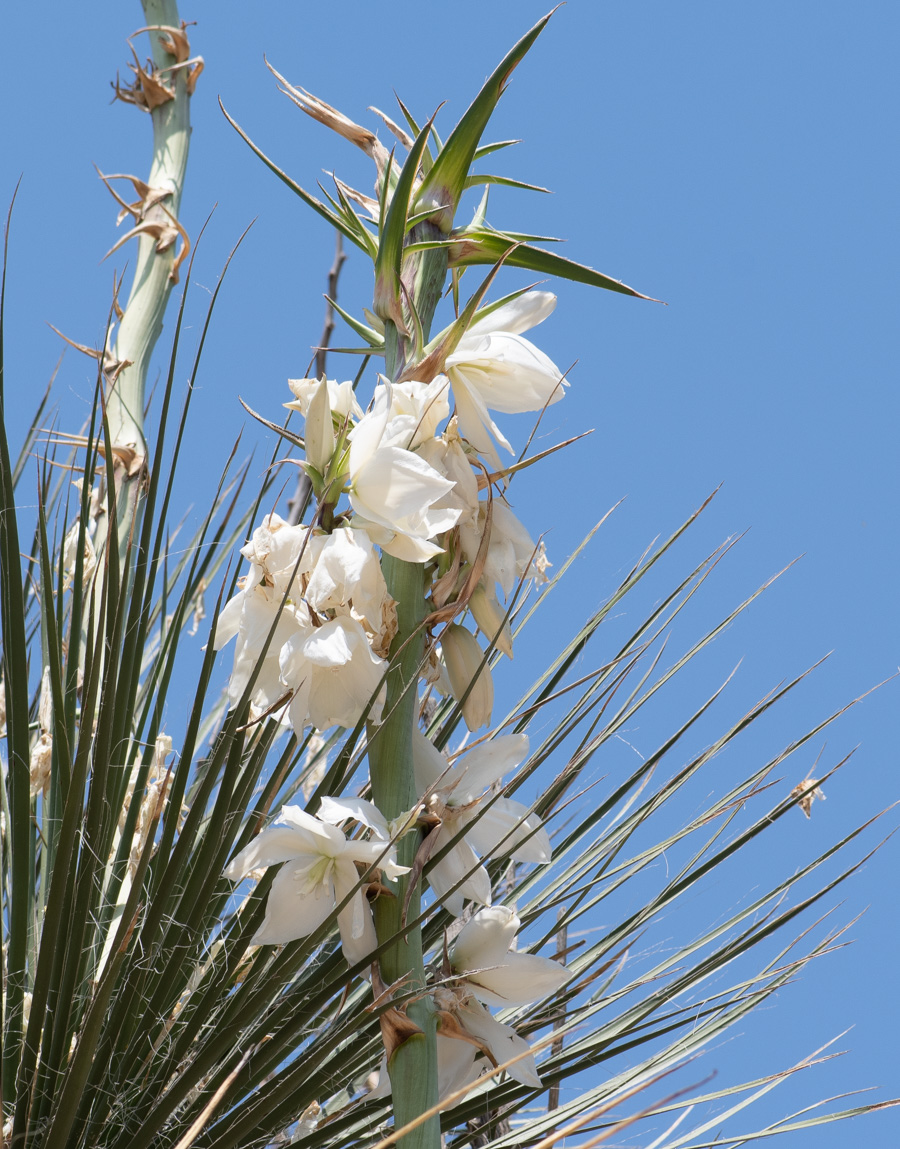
418 477
315 599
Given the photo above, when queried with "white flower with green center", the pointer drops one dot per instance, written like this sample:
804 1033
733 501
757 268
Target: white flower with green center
462 796
493 368
320 870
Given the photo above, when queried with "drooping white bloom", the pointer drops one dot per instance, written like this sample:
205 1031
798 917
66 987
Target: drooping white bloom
346 579
274 550
448 457
333 672
502 1041
494 369
496 974
250 616
460 795
458 1064
486 971
320 871
393 491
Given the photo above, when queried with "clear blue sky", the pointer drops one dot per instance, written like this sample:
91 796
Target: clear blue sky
736 160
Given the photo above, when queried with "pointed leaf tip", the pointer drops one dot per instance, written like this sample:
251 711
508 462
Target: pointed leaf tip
445 182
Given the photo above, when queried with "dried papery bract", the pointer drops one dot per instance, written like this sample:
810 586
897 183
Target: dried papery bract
162 88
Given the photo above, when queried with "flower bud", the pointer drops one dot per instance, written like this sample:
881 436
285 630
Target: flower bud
463 657
319 428
491 618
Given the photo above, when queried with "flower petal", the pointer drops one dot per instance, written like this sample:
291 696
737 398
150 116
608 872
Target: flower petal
296 834
292 910
487 764
337 810
460 862
502 1040
485 939
521 979
509 373
508 827
430 767
518 315
358 937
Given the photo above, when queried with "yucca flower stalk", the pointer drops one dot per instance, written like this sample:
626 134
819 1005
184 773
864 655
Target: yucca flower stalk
351 899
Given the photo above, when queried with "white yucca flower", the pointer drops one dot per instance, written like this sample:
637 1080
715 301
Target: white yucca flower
320 871
462 796
394 491
494 369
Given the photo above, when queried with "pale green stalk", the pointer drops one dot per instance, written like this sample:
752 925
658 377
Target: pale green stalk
142 321
413 1065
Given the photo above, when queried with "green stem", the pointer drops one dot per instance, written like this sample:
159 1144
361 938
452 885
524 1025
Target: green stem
413 1065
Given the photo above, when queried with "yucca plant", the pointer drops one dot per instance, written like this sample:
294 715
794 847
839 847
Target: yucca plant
354 765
